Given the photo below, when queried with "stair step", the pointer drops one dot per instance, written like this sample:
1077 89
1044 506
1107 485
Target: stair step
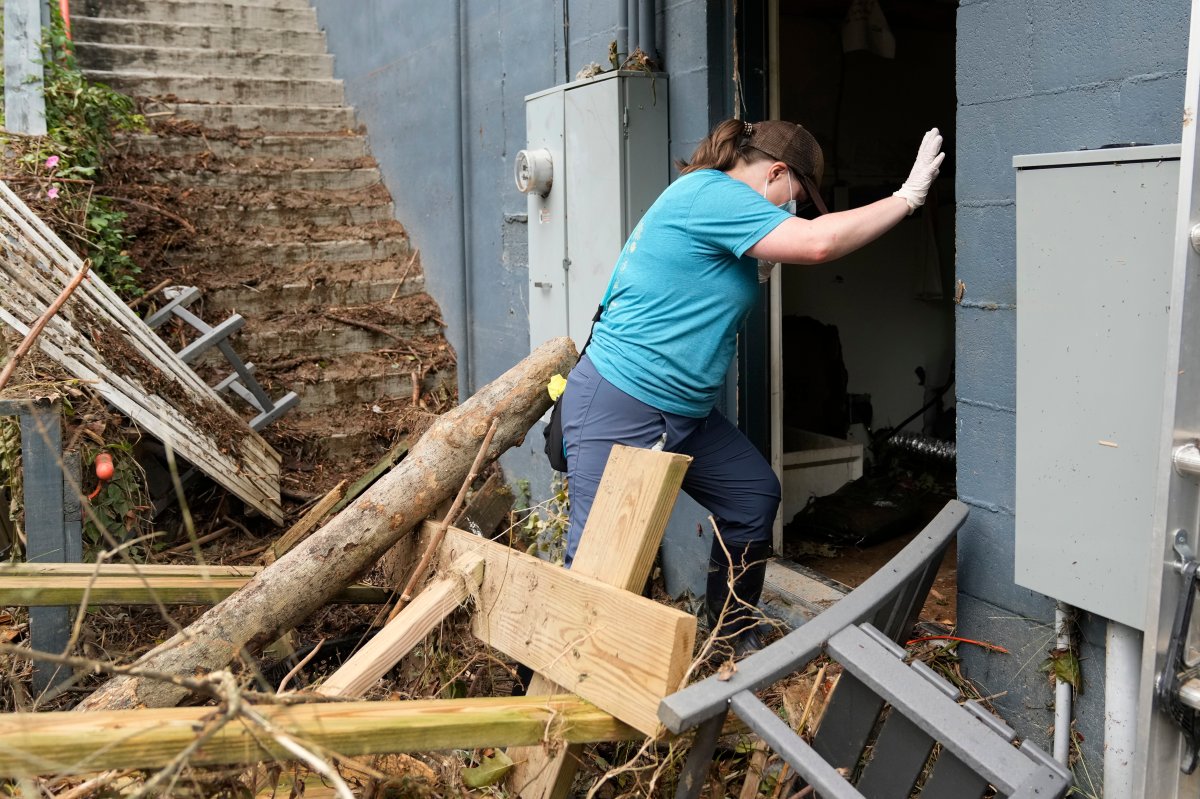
284 254
317 438
273 118
285 14
221 303
254 180
334 341
224 89
334 214
203 63
216 37
366 388
249 149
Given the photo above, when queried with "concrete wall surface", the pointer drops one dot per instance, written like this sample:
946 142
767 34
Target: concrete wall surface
441 86
1034 76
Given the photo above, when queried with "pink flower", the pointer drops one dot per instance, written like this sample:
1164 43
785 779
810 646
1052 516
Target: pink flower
52 162
53 193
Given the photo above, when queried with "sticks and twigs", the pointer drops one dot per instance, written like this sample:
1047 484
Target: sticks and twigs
383 331
419 573
136 301
40 324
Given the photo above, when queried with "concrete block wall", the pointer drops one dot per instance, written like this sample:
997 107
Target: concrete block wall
1034 76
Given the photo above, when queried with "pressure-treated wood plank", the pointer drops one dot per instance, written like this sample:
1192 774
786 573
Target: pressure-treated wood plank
99 340
42 585
435 602
73 743
125 570
617 649
620 539
629 515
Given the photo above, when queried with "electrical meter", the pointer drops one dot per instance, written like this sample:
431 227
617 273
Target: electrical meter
534 171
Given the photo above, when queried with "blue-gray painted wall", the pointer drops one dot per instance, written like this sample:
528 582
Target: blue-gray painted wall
1034 76
398 59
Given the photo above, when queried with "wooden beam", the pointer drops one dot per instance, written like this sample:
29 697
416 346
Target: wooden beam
381 467
42 585
300 530
620 539
199 570
73 743
614 648
435 602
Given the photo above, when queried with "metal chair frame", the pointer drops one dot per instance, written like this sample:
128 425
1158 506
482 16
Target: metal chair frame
900 710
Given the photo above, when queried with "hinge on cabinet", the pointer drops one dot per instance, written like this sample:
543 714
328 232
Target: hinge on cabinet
1177 688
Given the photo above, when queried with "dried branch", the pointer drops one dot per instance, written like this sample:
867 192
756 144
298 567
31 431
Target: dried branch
436 541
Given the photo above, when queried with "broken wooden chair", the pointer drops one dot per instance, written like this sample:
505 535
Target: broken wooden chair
241 381
909 719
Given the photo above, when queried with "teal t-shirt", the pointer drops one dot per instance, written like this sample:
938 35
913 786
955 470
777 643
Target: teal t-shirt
680 291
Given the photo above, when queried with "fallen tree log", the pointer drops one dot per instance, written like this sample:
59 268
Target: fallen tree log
291 589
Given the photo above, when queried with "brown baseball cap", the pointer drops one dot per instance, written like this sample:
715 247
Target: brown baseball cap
794 146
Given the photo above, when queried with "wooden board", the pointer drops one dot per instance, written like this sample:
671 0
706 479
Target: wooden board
99 340
620 539
617 649
40 585
72 743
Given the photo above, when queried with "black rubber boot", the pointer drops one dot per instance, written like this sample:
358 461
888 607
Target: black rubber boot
738 629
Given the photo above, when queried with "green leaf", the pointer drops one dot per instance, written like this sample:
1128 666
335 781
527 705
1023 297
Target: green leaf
491 769
1064 665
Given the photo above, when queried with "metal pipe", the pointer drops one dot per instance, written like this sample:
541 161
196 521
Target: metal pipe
465 387
1122 668
566 28
622 27
1062 689
635 18
646 26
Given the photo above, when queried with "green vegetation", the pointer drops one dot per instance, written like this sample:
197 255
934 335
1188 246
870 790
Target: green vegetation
58 175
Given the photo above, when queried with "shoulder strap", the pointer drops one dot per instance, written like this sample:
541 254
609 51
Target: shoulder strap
600 309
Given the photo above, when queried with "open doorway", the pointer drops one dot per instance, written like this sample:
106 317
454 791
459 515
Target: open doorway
863 422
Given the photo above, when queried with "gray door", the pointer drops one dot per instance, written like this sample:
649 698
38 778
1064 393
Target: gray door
1177 500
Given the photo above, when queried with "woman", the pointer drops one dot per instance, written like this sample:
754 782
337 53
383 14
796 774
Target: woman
682 287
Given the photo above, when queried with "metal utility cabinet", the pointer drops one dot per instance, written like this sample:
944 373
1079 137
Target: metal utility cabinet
1094 254
597 158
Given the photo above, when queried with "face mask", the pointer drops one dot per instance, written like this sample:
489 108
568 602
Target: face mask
790 205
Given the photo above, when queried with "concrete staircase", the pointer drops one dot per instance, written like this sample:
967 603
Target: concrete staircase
293 228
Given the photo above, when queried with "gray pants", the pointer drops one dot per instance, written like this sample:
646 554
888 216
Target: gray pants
728 476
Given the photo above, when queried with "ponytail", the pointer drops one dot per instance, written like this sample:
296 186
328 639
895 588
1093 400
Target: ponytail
723 149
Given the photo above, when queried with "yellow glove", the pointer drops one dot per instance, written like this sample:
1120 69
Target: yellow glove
556 386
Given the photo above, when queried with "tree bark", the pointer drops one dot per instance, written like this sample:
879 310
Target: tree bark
302 581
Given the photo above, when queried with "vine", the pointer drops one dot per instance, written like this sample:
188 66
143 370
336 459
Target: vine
57 174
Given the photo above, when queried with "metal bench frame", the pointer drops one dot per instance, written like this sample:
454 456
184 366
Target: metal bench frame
861 632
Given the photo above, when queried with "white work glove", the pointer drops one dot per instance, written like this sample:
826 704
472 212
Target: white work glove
924 171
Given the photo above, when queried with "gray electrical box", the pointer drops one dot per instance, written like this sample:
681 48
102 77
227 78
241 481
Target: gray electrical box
1094 253
598 156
